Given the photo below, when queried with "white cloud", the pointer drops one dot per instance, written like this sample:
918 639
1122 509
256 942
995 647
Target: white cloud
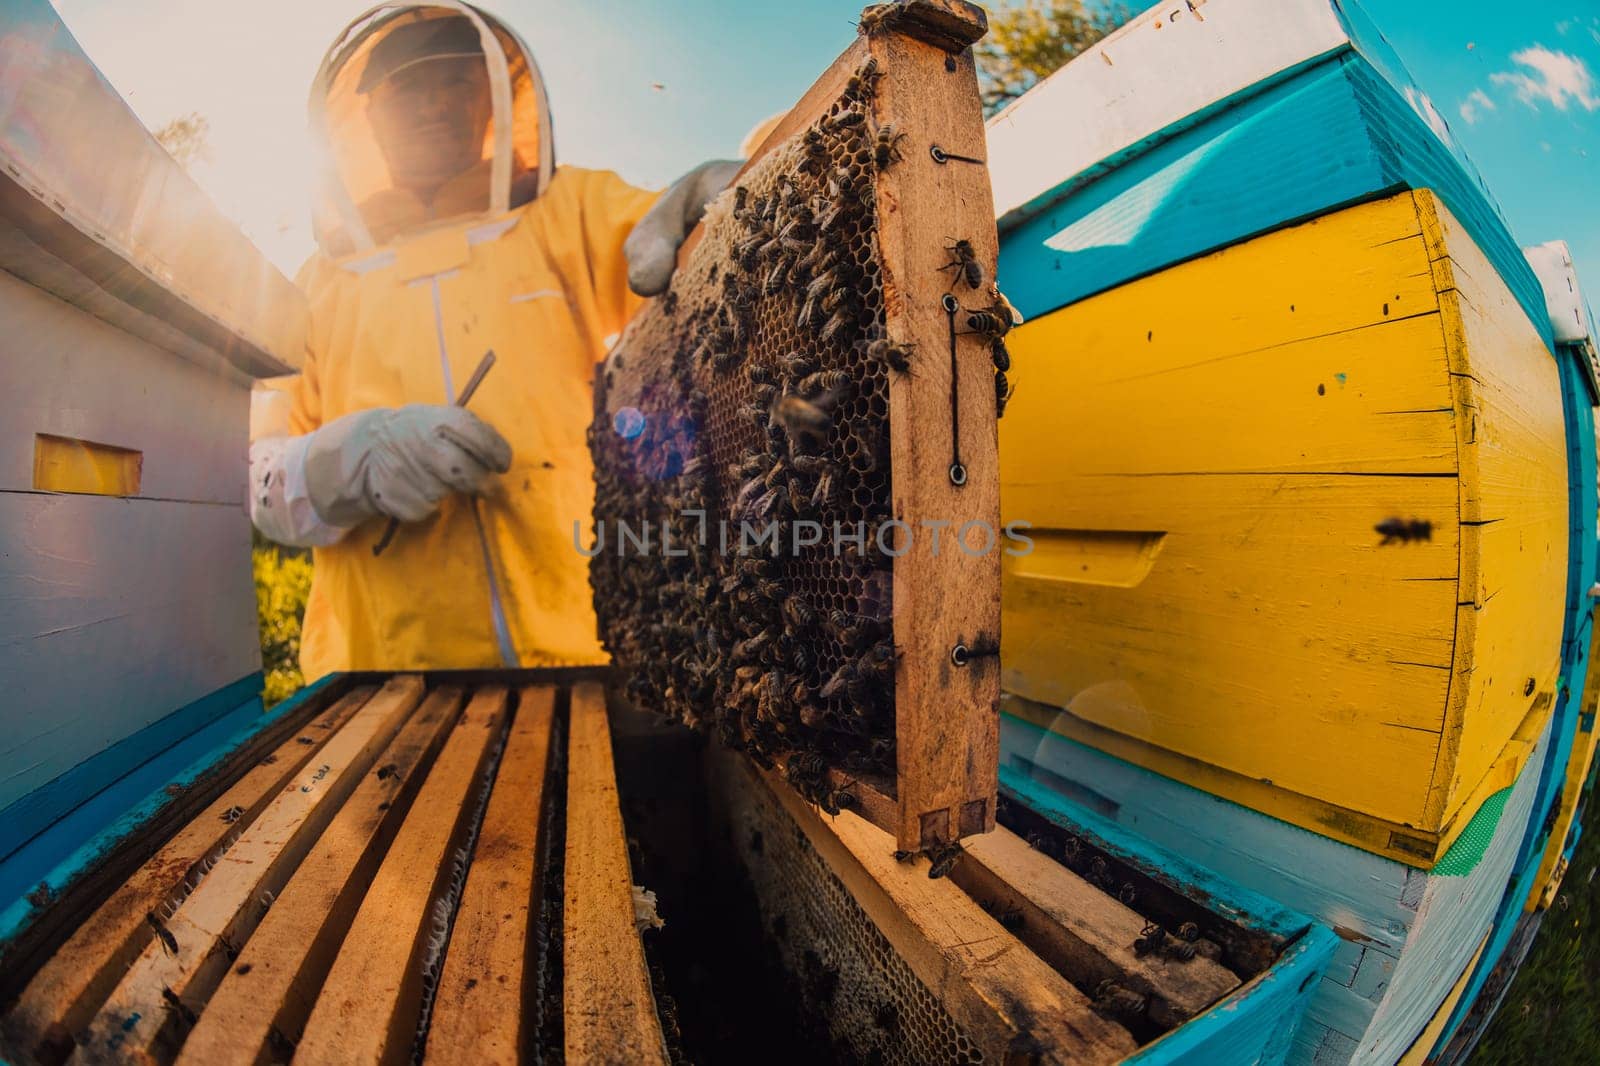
1552 76
1476 102
1423 106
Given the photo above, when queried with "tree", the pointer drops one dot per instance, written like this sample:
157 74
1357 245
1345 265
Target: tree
1030 40
185 137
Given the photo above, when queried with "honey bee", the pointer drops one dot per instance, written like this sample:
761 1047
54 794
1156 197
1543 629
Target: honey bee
1112 998
840 182
724 361
1182 950
754 413
988 323
837 799
798 364
965 263
875 18
669 302
895 356
837 681
1403 530
828 381
776 277
845 119
944 859
1001 357
798 613
748 251
798 500
886 149
1003 391
802 420
865 80
841 321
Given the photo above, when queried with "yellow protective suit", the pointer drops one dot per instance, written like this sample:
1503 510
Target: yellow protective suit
406 321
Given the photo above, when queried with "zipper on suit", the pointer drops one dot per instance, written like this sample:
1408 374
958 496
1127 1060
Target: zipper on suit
497 611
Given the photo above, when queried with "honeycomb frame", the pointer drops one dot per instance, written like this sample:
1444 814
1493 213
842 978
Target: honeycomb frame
815 361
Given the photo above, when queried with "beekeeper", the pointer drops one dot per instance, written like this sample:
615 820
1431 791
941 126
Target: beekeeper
445 231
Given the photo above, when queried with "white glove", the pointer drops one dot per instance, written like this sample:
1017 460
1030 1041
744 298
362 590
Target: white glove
399 462
652 248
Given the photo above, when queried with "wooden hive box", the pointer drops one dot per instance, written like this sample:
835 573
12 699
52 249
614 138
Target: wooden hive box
1218 645
136 316
1168 193
1305 545
821 360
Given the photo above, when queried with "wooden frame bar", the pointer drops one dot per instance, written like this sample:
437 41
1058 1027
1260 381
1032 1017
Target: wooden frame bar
1079 929
910 83
478 1009
608 1006
177 971
1013 1005
264 1000
367 1008
67 989
947 716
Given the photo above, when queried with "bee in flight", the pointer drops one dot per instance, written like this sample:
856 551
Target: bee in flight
1403 530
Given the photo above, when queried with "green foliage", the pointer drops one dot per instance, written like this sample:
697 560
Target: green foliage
1551 1012
283 582
1030 40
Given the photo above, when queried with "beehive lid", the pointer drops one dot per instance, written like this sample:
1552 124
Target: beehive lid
101 216
1099 180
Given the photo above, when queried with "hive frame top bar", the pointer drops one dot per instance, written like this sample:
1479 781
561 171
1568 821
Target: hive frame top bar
941 416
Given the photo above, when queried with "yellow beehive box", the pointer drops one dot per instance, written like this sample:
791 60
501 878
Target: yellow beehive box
1299 514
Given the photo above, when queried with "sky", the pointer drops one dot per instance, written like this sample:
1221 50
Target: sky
649 89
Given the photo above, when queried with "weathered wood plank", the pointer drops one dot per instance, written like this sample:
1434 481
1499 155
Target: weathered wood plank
609 1009
155 1001
1083 933
262 1003
81 974
1006 996
477 1012
946 716
1514 502
367 1009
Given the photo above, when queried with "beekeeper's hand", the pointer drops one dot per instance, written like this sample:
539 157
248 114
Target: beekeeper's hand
652 248
399 462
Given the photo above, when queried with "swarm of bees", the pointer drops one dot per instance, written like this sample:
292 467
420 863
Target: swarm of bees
764 401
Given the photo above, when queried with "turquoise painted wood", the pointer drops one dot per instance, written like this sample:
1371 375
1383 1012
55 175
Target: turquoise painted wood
1334 133
1256 1022
39 809
1584 571
75 844
1403 935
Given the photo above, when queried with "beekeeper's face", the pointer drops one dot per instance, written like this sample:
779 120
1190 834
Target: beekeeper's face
430 119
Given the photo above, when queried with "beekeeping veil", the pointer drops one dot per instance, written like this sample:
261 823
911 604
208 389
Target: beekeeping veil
359 204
